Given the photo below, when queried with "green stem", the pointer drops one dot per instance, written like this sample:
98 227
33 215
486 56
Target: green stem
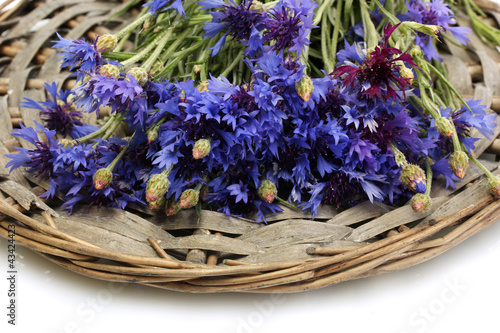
325 45
113 128
161 44
181 56
122 33
371 35
399 157
172 48
482 167
286 203
118 157
336 29
235 61
319 12
100 131
429 177
139 56
447 83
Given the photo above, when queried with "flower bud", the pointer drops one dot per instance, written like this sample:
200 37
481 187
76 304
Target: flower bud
406 73
201 148
421 203
189 198
416 52
413 177
67 143
459 162
139 74
149 23
156 69
304 88
444 127
203 86
109 70
172 207
494 186
197 69
257 6
106 43
157 187
267 191
102 178
153 133
157 204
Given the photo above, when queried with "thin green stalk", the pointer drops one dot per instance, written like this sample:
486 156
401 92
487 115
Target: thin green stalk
159 48
371 35
139 56
321 9
482 167
118 157
122 33
235 62
325 38
450 86
181 56
100 131
172 48
286 203
429 177
336 29
113 128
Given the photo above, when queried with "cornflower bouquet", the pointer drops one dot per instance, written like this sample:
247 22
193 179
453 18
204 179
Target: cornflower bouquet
241 106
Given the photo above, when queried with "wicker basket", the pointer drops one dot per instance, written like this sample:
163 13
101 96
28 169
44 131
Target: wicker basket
218 253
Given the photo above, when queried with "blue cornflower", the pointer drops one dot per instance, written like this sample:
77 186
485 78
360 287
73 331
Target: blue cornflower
244 22
79 53
434 12
157 6
289 23
58 113
39 159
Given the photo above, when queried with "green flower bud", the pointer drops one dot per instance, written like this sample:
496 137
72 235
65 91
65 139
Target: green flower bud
157 204
421 203
153 133
67 143
459 162
149 23
201 148
156 69
304 88
106 43
172 207
406 73
109 70
139 74
444 127
267 191
413 177
203 86
102 178
157 187
189 198
494 186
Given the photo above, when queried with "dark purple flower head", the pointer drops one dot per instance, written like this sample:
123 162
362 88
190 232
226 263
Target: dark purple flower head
59 114
434 12
243 22
378 74
289 23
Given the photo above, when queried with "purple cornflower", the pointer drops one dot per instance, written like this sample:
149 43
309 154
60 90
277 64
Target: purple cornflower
378 74
243 22
39 159
434 12
59 114
289 23
156 6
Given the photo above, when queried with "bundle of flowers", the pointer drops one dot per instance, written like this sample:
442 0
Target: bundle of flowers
241 106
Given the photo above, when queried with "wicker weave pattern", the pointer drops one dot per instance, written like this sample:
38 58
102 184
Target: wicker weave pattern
218 253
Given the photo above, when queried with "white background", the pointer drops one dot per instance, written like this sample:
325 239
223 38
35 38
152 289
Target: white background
455 292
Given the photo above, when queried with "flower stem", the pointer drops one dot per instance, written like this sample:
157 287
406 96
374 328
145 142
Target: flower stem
113 128
145 51
122 33
429 177
481 166
161 44
286 203
100 131
118 157
235 61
